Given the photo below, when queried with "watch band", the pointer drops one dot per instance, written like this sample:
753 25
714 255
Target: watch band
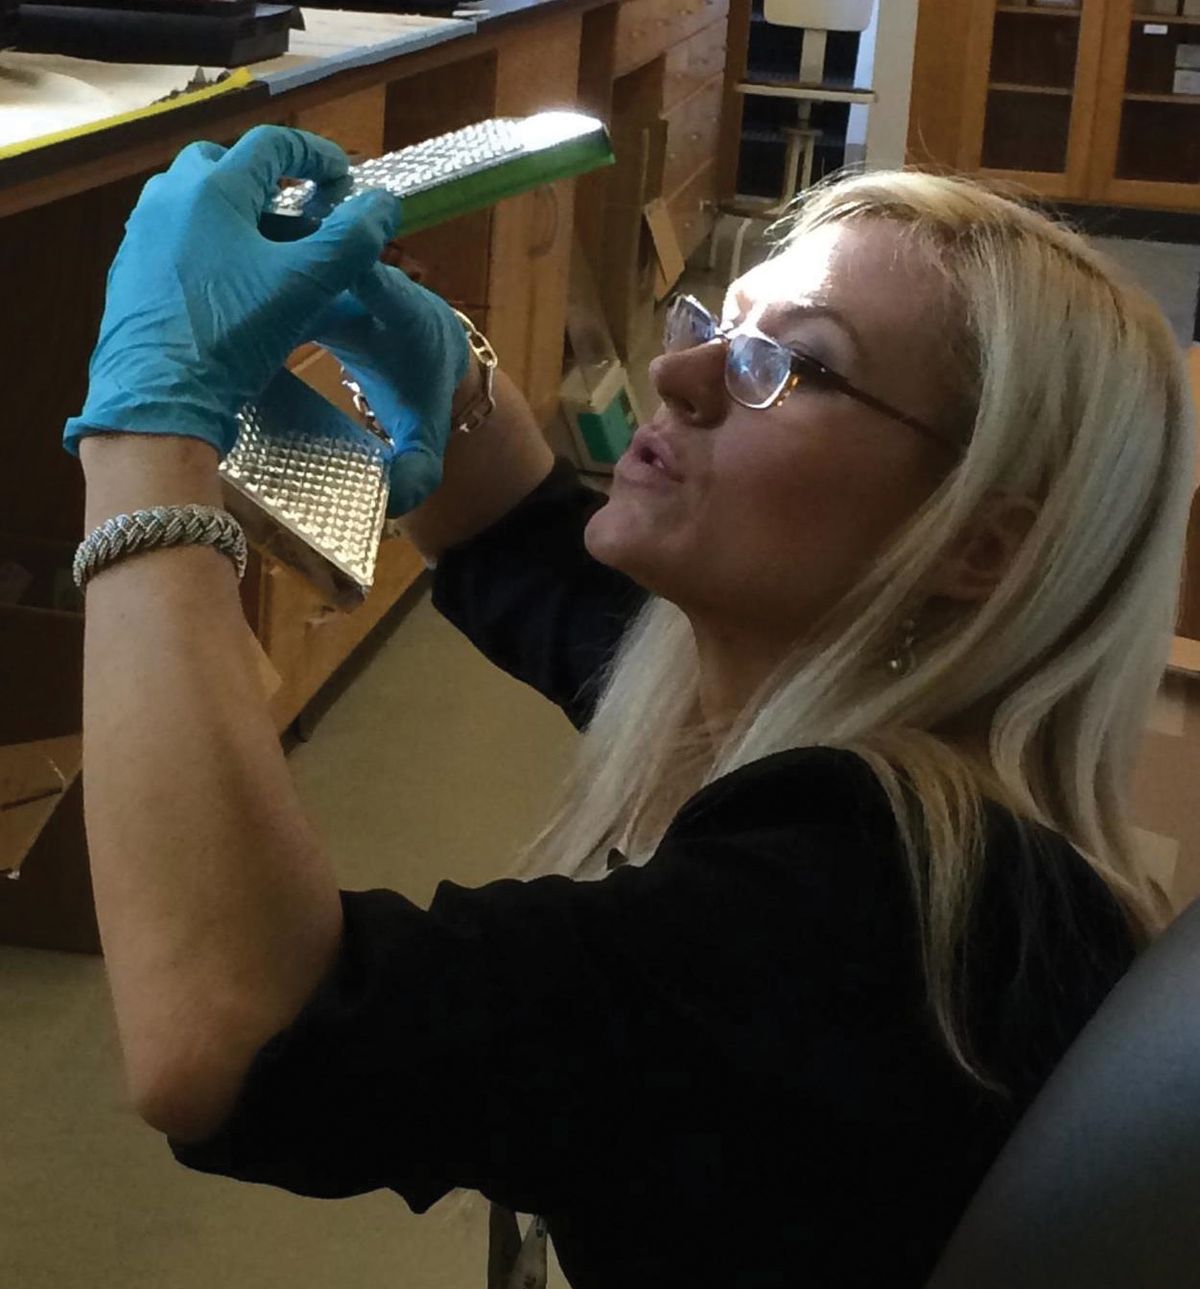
481 407
477 410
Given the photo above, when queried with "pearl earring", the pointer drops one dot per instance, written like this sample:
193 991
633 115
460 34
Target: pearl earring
904 659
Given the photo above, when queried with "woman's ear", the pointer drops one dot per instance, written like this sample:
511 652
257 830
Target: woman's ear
986 549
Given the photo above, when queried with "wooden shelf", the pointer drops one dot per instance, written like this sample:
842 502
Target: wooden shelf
1015 87
1184 100
803 93
1038 12
1184 20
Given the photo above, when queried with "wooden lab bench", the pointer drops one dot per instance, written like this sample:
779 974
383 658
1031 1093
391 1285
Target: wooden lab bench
61 223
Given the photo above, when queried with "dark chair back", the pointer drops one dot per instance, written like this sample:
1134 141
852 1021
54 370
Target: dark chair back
1099 1187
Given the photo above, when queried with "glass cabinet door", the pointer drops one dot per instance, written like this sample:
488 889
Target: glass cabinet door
1148 122
1031 93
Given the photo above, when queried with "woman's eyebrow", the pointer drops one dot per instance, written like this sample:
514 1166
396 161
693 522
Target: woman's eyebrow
784 315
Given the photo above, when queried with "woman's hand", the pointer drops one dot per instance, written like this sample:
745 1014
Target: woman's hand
408 352
202 310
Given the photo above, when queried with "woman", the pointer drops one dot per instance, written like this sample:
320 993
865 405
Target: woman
862 643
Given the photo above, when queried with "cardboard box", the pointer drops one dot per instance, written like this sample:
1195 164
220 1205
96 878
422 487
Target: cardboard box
34 779
627 276
45 882
602 420
45 886
668 268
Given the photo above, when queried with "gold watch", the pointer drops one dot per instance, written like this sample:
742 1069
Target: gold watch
484 404
477 410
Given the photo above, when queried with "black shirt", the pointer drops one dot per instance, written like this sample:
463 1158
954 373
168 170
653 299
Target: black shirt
716 1068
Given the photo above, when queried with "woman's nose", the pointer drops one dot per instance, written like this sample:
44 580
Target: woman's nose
691 382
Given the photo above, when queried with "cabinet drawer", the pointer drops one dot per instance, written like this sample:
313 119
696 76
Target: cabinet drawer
691 208
645 28
691 63
692 131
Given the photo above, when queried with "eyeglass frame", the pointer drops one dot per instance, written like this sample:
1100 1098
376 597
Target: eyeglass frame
801 368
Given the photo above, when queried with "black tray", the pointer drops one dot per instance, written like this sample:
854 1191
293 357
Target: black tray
141 36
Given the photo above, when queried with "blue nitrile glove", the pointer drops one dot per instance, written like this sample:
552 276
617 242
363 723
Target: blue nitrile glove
408 352
202 310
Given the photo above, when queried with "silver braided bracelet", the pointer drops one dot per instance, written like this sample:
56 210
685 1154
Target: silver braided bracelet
157 528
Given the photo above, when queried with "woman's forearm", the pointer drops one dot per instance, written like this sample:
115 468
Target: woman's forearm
486 473
218 911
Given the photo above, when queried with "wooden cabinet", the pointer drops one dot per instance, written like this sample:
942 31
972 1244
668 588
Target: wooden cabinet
692 129
692 64
647 28
1031 83
532 234
355 123
690 208
1147 137
669 61
1075 101
692 93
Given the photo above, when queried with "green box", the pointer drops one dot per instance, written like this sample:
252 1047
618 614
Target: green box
602 421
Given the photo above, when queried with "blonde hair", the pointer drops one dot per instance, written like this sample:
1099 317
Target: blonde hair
1073 393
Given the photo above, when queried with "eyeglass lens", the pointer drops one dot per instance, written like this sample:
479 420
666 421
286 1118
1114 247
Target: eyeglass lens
687 326
756 369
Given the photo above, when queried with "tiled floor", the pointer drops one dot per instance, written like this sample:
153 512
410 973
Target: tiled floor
431 765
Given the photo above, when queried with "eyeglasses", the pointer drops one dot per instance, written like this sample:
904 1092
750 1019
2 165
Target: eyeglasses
760 372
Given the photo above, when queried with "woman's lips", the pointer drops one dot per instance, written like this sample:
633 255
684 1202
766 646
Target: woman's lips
649 460
642 474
